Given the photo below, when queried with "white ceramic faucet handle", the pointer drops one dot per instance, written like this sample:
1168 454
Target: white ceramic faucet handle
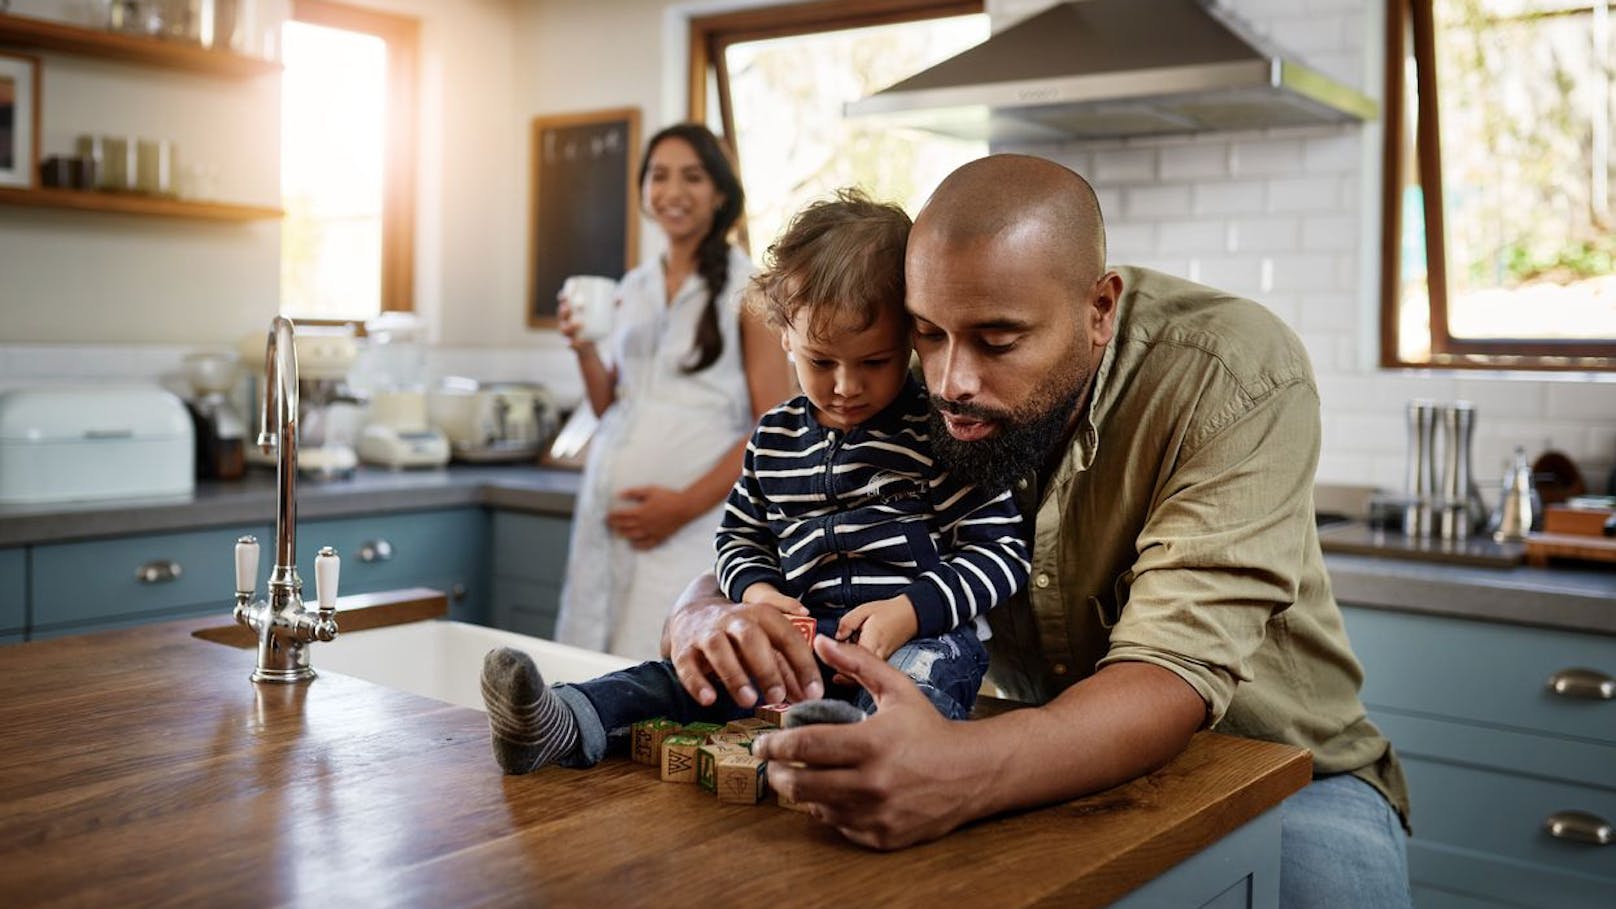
247 565
327 565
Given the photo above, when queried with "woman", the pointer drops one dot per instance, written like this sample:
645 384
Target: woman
687 374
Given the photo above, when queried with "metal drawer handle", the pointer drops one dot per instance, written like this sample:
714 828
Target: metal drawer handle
1580 827
159 572
1586 684
375 551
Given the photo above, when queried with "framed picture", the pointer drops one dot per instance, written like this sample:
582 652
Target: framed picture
585 215
19 120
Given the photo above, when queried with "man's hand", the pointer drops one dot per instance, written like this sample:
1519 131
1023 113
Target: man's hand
901 777
748 647
767 594
653 514
882 625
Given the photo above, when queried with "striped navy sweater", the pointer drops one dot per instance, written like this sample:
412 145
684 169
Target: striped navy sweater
836 519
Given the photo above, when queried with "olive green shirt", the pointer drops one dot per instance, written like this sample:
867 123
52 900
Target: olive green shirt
1178 530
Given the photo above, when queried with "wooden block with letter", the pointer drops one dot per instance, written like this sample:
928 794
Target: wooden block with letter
774 714
741 779
645 744
742 740
749 725
707 758
679 758
703 731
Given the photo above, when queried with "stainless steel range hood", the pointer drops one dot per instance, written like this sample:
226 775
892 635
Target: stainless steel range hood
1097 69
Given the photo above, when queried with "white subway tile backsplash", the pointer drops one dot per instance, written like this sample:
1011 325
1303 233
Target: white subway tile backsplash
1110 201
1321 350
1128 242
1242 275
1265 234
1267 158
1369 432
1499 400
1306 272
1583 401
1330 232
1346 68
1195 162
1157 201
1124 165
1233 197
1333 312
1306 36
1337 154
1309 195
1176 237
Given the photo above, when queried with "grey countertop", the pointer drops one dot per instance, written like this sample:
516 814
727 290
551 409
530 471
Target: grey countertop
370 491
1384 575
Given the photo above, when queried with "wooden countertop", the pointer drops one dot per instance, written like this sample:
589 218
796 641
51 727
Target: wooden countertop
142 768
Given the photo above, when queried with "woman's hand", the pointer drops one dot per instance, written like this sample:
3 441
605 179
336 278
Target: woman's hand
653 514
570 328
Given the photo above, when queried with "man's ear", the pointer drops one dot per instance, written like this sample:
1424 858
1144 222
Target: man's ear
1101 319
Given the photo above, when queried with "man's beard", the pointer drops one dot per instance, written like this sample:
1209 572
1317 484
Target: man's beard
1024 440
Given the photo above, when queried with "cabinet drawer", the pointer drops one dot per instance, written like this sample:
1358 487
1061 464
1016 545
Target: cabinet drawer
526 607
76 585
1503 815
531 547
1445 877
1486 673
13 590
386 552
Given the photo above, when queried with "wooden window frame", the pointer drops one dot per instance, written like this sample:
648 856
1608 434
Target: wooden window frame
403 38
711 36
1416 20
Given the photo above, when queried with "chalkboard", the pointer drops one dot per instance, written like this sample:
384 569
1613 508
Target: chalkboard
585 216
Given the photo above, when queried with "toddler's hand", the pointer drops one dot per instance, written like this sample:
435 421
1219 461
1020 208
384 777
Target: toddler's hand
882 625
765 593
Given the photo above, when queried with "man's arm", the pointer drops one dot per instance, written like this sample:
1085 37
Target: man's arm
906 775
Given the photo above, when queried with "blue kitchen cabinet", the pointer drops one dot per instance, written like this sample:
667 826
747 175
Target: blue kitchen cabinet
13 595
100 584
446 550
530 562
1493 752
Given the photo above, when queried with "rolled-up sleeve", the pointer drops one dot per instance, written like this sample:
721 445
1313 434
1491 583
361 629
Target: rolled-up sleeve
1221 552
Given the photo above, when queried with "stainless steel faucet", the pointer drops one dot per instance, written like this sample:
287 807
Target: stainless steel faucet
285 628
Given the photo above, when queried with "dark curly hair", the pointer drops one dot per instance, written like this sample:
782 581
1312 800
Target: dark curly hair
712 256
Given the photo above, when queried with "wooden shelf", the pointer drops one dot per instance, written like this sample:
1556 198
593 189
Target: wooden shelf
118 203
41 34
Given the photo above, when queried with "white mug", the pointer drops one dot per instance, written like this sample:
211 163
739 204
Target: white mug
594 303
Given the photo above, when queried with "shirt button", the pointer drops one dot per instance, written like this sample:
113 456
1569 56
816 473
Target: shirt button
1021 483
1058 669
1042 580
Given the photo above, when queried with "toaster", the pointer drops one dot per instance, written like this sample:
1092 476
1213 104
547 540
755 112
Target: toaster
72 443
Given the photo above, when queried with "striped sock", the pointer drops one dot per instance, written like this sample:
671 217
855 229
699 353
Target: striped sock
531 726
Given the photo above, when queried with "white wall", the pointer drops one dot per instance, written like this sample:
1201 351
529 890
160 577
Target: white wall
1292 219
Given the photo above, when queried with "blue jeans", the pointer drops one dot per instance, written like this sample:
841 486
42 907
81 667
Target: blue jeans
948 669
1341 844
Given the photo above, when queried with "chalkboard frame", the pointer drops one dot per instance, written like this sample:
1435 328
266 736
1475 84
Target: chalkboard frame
541 312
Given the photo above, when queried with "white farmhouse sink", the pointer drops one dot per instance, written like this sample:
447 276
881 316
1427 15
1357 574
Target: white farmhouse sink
443 660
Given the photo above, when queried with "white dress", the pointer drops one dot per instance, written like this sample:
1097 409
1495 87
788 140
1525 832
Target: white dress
665 428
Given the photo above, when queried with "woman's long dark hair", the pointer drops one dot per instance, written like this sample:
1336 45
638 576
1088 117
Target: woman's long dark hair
712 256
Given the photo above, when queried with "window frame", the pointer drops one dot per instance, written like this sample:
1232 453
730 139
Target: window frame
1415 20
402 35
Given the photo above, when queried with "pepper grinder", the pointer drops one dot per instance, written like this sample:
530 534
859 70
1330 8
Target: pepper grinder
1456 515
1518 506
1421 468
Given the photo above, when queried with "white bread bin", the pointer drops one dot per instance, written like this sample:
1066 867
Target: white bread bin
73 443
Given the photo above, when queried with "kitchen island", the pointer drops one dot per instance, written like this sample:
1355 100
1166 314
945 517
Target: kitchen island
141 768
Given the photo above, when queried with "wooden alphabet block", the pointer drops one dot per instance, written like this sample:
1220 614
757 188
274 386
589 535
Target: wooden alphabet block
679 758
645 744
739 739
702 731
707 758
806 625
749 725
774 714
741 779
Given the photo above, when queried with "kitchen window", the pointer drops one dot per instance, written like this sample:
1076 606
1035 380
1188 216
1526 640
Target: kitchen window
347 162
1499 236
774 80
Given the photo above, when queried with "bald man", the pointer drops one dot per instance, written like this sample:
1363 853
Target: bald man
1164 438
